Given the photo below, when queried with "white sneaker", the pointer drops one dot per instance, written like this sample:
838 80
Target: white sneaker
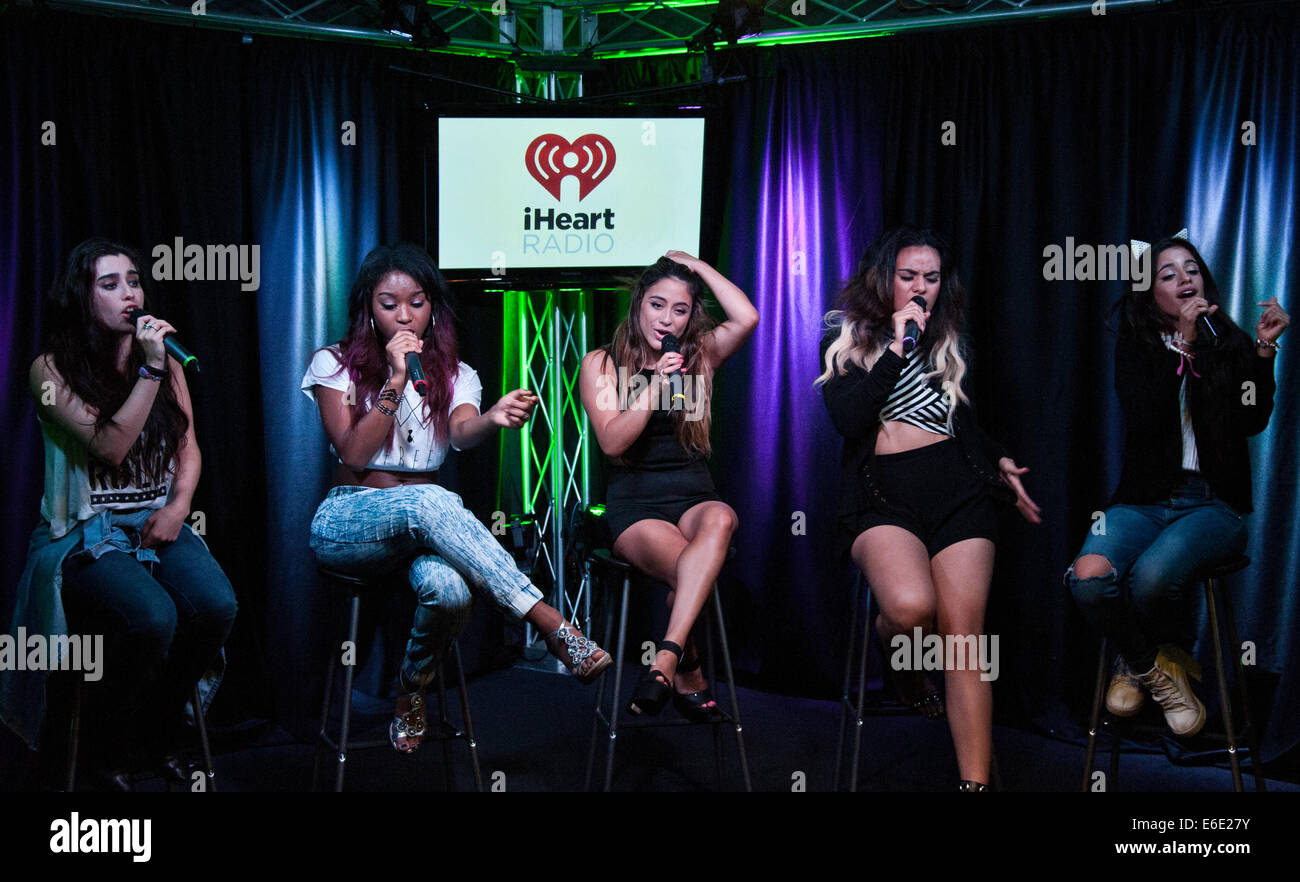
1167 682
1125 697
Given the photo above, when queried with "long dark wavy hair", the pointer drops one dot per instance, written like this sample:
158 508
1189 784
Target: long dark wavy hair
863 317
1141 323
630 349
84 353
362 352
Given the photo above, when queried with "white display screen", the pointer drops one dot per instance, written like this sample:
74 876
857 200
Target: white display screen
567 193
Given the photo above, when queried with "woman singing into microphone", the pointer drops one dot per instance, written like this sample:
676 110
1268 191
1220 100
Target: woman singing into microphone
664 514
113 554
386 512
918 476
1181 371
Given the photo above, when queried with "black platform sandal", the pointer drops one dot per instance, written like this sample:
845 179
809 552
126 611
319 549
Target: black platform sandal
698 707
653 692
972 787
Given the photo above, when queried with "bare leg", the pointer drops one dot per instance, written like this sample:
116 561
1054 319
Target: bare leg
688 557
962 573
897 568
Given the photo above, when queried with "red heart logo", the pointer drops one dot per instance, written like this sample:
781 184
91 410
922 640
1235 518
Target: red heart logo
550 159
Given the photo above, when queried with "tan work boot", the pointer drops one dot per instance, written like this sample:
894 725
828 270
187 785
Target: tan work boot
1167 682
1124 698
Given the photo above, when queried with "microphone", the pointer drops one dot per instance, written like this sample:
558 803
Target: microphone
912 333
1209 326
415 374
670 344
174 349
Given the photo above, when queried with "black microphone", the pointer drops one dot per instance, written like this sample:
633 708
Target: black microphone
415 374
670 344
176 350
912 333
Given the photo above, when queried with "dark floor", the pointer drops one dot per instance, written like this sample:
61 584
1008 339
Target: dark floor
533 730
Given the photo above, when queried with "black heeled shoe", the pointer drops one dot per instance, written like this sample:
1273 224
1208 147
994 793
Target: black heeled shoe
698 707
653 692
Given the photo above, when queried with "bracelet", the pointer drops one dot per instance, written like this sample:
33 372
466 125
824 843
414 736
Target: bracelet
389 395
386 411
150 373
1260 344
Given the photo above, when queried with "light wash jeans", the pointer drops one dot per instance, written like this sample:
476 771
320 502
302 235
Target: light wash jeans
445 550
1155 550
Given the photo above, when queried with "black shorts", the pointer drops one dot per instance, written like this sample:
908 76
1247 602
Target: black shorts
636 495
933 494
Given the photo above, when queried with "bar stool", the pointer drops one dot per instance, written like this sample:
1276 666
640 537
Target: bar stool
847 704
74 739
1215 593
606 559
447 732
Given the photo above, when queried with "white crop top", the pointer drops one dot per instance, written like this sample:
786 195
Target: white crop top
413 447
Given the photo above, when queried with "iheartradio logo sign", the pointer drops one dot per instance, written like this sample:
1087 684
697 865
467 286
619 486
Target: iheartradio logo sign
550 159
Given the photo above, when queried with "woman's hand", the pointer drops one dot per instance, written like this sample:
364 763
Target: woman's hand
513 410
686 260
163 526
1189 311
1272 321
150 331
911 312
1011 477
403 341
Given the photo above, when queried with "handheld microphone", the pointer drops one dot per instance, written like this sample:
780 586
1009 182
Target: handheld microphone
415 374
912 333
1209 326
174 349
670 344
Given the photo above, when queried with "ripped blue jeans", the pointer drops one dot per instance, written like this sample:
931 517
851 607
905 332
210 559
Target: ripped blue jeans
446 552
1154 551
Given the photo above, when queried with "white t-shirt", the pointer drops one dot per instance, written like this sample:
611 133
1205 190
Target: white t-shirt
414 447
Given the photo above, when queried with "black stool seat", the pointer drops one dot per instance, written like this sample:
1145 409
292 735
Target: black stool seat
356 586
609 559
1222 629
1221 569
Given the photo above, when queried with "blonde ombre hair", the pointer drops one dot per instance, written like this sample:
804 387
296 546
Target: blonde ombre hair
867 307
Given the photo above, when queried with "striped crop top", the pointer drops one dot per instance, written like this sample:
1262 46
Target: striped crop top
914 400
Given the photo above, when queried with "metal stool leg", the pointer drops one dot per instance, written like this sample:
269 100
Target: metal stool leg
469 720
448 777
208 768
1256 759
1225 701
1094 718
719 769
731 683
618 682
322 737
848 683
605 634
858 720
354 618
74 736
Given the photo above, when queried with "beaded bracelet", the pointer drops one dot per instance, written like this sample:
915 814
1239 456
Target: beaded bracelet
386 411
389 395
1260 344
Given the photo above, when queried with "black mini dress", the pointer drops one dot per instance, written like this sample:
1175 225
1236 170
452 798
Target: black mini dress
658 478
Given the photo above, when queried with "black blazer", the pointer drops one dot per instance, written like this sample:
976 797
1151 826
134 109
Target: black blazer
1147 381
854 400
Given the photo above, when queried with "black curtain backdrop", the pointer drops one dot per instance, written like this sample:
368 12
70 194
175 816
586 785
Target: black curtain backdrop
1096 129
